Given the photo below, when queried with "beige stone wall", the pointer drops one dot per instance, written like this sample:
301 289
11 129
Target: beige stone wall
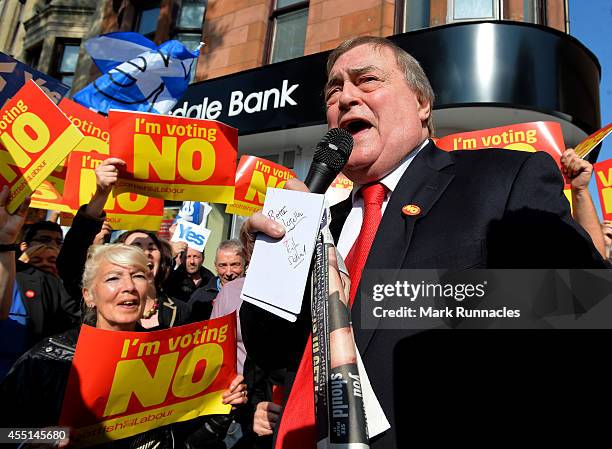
332 21
55 21
234 37
12 31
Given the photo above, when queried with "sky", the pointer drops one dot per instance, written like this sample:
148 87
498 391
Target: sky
591 24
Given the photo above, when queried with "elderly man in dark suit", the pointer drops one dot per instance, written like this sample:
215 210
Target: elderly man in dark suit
425 208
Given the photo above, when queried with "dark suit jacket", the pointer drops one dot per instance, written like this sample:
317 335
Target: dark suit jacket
50 309
479 209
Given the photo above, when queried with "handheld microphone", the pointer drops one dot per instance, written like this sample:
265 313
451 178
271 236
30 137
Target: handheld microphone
331 154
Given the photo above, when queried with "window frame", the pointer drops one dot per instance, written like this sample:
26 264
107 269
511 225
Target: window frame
177 29
59 51
498 12
401 23
275 13
141 6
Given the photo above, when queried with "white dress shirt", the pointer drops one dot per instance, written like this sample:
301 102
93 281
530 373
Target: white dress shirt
352 225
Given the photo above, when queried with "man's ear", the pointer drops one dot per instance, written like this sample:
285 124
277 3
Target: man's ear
23 246
424 110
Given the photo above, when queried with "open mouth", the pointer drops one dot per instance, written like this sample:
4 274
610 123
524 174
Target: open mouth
355 126
150 265
129 304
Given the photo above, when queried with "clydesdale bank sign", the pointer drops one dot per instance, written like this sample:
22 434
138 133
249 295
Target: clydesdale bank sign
285 95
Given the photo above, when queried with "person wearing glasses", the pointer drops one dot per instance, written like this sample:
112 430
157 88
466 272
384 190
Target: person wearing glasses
42 233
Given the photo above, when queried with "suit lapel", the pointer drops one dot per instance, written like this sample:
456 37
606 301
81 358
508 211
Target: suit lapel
339 213
421 185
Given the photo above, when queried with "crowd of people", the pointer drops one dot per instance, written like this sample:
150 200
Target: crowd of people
138 283
478 209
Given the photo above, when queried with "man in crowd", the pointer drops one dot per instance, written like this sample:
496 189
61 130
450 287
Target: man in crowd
189 276
43 232
230 264
416 206
34 303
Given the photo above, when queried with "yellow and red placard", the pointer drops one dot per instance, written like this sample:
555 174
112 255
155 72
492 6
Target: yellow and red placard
532 137
603 176
93 126
126 211
36 137
585 147
174 158
49 194
253 177
145 380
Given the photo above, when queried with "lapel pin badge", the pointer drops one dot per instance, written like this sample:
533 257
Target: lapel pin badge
30 294
411 210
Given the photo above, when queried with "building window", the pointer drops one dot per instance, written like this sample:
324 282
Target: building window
289 19
32 56
188 25
67 57
531 11
147 14
464 10
416 15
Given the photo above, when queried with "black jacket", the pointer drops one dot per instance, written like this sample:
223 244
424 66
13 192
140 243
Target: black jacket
479 209
50 309
71 259
35 386
180 286
201 301
173 312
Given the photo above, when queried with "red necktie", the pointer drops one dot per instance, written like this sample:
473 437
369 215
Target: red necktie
373 198
297 427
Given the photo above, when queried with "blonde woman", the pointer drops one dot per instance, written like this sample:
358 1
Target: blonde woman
115 283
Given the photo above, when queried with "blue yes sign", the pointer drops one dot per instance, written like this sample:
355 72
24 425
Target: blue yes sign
194 235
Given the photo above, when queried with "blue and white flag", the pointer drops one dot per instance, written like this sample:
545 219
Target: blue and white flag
194 212
137 74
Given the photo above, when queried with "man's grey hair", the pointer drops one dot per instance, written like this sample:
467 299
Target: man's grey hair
413 72
233 245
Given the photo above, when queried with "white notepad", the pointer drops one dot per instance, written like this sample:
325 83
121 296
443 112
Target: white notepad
278 270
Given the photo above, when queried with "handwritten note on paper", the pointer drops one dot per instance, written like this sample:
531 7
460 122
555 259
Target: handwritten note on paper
278 271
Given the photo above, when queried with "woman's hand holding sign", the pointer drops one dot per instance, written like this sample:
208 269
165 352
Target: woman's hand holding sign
107 174
236 394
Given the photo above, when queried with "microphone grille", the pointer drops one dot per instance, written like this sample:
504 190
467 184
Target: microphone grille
334 148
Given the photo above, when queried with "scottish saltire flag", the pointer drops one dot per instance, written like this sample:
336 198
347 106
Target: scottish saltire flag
137 74
193 211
